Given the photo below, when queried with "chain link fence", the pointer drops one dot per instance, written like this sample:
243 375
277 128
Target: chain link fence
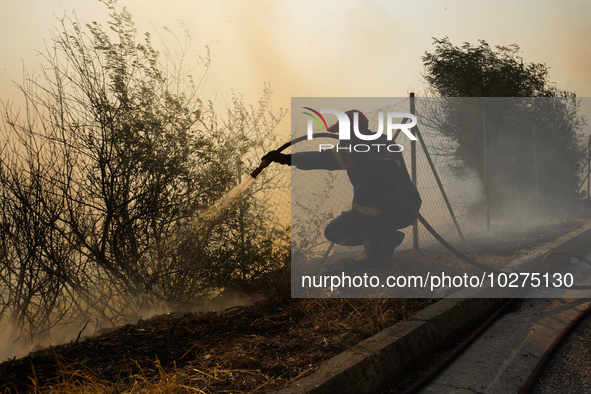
480 165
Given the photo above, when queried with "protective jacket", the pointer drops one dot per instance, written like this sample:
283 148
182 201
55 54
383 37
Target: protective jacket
373 193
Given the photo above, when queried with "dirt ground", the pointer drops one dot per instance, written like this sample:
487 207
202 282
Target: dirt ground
258 348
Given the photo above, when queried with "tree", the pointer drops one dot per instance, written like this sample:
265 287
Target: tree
482 71
109 163
531 142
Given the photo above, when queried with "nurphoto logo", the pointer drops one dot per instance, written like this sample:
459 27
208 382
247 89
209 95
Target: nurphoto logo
360 130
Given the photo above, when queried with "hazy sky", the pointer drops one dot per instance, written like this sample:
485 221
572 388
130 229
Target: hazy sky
322 48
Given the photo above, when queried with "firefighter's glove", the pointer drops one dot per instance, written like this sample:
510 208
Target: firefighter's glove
277 157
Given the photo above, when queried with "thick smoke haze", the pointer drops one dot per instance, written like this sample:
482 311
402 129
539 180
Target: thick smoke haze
334 48
308 48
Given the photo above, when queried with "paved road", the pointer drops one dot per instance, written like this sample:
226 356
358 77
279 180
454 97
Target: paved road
501 360
570 368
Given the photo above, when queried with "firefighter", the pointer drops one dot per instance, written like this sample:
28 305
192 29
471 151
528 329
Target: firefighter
378 211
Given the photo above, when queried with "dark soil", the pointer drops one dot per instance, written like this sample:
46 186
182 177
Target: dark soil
267 344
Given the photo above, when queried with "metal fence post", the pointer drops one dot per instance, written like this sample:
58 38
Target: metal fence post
413 166
536 180
485 175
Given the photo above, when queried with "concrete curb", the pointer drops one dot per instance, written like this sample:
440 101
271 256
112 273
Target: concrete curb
372 364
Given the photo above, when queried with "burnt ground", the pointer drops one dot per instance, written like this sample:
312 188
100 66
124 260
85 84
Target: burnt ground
257 348
261 346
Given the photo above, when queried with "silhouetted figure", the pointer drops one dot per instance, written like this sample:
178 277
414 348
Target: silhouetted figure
378 211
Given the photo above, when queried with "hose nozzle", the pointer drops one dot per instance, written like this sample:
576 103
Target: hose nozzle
256 172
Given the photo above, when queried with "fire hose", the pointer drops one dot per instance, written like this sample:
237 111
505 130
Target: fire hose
407 202
420 217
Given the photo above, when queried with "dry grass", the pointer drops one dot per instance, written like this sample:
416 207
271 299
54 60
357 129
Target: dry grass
71 378
265 347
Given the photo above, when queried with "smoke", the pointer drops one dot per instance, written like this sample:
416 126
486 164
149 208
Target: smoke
16 340
571 34
16 343
331 51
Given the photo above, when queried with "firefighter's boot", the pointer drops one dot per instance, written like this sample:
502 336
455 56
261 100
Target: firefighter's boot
377 253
